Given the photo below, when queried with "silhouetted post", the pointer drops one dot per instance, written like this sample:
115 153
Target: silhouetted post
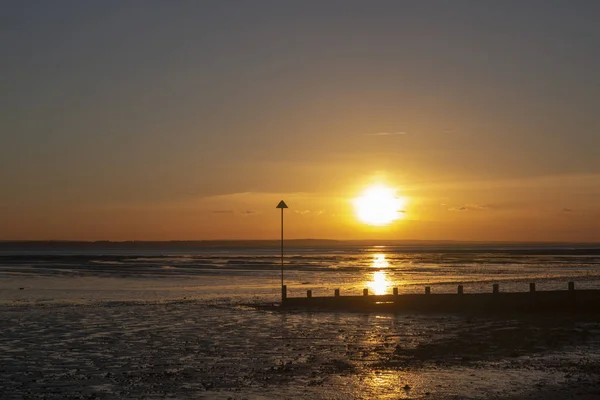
496 288
336 292
427 290
532 287
395 291
283 292
571 286
282 205
460 289
309 293
365 292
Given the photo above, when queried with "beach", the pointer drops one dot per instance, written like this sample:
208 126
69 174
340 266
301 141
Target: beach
106 334
193 350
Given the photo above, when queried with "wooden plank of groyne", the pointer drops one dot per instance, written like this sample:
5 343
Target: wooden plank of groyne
520 302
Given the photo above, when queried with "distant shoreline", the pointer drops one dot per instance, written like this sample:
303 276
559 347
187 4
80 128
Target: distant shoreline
290 243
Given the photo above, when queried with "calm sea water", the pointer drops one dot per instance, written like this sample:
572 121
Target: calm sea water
230 274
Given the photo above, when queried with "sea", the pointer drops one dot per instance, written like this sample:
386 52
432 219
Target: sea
199 320
252 271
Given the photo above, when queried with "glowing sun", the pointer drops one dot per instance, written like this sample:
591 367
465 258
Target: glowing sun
379 205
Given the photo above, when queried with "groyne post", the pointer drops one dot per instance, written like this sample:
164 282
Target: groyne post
284 292
336 292
571 286
496 288
395 291
427 290
365 292
532 287
309 293
460 289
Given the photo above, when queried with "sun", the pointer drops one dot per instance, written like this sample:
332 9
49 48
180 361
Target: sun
379 205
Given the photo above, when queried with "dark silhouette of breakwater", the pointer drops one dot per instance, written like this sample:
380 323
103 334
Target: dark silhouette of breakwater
555 301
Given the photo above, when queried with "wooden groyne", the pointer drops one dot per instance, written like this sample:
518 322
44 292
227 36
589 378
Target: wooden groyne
554 301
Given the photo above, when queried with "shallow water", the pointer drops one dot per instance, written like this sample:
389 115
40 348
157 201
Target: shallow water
159 325
77 275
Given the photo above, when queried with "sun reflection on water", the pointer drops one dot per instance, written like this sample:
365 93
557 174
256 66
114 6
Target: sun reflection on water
388 384
379 261
380 282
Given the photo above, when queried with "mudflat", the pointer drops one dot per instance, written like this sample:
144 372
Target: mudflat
222 350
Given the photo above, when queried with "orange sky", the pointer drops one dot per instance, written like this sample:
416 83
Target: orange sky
508 210
193 119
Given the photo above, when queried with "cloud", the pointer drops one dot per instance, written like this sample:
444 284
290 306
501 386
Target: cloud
302 212
305 212
243 212
470 207
387 134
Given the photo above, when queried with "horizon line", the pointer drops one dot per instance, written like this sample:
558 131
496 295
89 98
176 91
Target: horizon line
395 241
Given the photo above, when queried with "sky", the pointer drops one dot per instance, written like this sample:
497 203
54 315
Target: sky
184 120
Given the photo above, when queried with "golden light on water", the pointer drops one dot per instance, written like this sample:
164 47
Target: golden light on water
393 384
380 283
379 205
379 261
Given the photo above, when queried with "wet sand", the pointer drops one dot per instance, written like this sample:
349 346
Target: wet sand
220 350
